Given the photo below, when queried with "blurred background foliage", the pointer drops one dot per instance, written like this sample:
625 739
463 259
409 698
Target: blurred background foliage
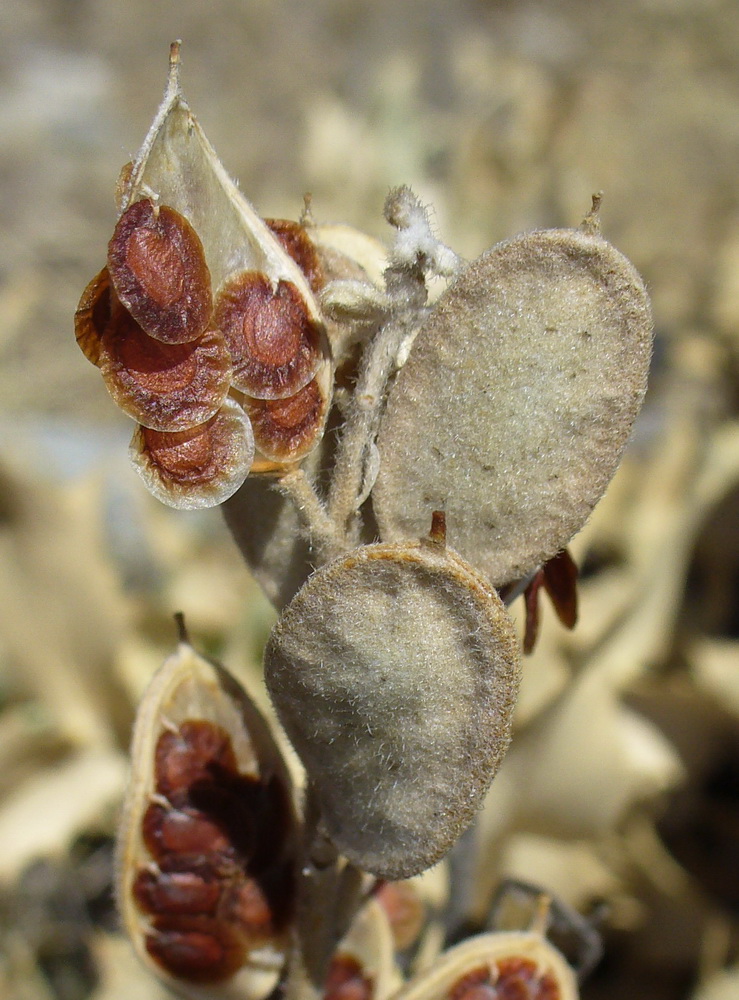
504 116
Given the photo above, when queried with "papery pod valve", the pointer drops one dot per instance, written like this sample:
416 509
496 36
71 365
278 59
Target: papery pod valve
207 848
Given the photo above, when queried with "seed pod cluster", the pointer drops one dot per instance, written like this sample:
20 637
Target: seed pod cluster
205 330
207 850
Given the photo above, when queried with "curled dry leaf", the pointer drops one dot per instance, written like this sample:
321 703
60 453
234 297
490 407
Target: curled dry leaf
394 671
206 851
92 315
166 387
157 264
200 467
516 401
520 964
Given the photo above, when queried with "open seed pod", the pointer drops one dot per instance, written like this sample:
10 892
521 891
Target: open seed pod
394 671
516 401
199 467
206 851
363 965
520 964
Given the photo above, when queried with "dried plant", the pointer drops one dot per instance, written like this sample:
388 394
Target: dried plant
396 472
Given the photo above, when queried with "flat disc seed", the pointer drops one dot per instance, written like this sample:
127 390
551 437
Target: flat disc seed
166 387
394 671
92 316
285 430
516 401
274 343
158 268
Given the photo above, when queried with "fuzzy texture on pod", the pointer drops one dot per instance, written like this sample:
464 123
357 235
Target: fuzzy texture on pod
516 401
395 671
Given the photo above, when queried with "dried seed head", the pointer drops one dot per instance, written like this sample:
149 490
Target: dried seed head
207 849
157 265
92 315
200 467
394 671
516 401
517 965
166 387
274 343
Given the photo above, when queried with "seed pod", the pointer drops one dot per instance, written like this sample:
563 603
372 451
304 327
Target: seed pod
516 401
394 671
363 965
166 387
520 964
157 265
93 315
196 468
274 343
207 848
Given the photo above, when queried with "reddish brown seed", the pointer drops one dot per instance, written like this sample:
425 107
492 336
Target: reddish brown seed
246 905
285 430
92 315
513 978
274 343
157 265
295 241
175 892
199 467
196 949
560 582
166 387
182 831
346 981
188 755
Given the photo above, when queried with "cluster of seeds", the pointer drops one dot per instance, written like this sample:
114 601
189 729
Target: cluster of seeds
211 379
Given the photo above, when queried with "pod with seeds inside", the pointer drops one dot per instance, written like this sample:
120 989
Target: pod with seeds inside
274 342
206 852
200 467
520 964
394 671
157 265
517 400
93 315
167 387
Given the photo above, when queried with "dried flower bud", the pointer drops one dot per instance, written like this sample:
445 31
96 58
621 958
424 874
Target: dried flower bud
274 343
206 853
92 315
394 671
517 964
157 265
166 387
200 467
516 401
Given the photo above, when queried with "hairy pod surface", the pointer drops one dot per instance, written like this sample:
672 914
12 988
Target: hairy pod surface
206 851
394 671
516 401
512 965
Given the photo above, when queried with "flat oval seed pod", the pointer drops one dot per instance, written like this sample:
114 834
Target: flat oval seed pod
196 468
207 848
166 387
93 315
157 265
394 671
516 401
274 343
520 965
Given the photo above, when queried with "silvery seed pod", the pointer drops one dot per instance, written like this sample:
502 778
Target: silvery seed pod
206 850
516 401
394 671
